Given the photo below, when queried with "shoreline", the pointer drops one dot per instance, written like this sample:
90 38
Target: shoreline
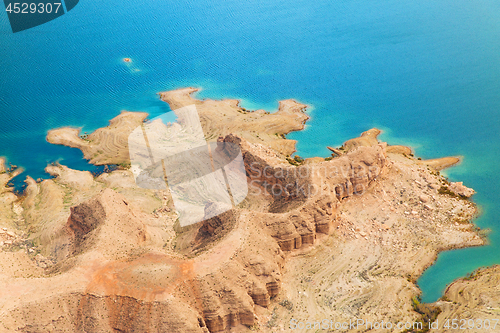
184 96
399 200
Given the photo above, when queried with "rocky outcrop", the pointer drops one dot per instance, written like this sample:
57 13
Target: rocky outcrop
459 189
366 139
223 219
104 221
299 227
319 187
73 178
83 312
345 176
84 219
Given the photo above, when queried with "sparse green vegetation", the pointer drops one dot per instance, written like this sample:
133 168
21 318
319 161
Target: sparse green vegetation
85 137
296 161
445 190
292 161
428 312
473 276
286 304
124 165
274 316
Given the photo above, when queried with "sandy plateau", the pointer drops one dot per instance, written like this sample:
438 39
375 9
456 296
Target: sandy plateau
341 238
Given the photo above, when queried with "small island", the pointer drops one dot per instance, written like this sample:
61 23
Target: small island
341 237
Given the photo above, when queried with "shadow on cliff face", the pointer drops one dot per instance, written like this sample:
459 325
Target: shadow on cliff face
197 238
283 205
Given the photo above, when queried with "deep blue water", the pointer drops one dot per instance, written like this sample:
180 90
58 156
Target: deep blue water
427 72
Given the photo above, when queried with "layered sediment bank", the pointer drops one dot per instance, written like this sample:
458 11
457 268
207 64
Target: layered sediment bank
341 238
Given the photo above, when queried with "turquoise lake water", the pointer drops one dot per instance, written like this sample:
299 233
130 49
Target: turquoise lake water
426 72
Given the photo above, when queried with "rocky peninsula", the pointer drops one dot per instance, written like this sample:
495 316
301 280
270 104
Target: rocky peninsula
343 237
